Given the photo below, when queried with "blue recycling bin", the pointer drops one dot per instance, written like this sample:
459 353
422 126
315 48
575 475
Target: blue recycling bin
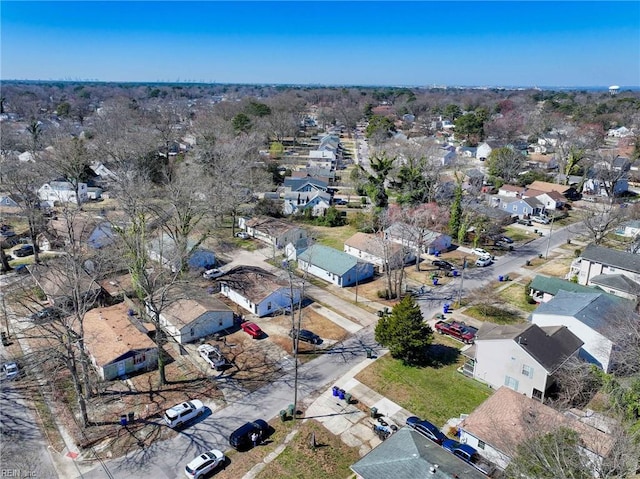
335 390
435 281
445 309
436 253
123 420
341 393
455 272
501 278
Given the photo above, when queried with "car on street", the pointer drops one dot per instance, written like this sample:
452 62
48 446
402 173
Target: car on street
24 250
212 273
204 464
182 413
481 252
306 336
242 235
441 264
541 219
240 439
524 222
427 429
46 314
505 239
484 261
213 356
10 370
252 329
469 455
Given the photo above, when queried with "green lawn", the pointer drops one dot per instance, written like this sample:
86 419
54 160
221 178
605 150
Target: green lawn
432 393
333 237
514 295
493 314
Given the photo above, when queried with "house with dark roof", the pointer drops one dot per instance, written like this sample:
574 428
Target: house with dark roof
258 291
419 239
272 231
375 249
587 316
407 454
115 345
543 288
334 266
523 357
296 202
507 419
304 185
523 207
598 261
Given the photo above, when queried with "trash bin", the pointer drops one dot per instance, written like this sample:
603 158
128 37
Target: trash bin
501 278
123 420
131 416
335 390
341 393
506 278
347 398
435 281
455 272
290 410
436 253
374 412
445 309
369 353
528 263
540 255
283 415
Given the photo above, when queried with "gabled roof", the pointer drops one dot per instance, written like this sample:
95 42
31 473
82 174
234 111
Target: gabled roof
546 187
618 282
408 455
372 244
592 309
551 285
186 310
255 284
514 188
508 418
549 346
109 334
307 196
329 259
296 183
410 232
611 257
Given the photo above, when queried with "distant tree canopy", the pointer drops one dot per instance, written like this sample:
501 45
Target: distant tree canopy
380 127
241 123
506 163
470 126
258 109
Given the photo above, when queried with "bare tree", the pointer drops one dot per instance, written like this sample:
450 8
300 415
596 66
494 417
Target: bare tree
600 218
609 171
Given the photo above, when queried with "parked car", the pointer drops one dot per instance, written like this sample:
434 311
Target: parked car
480 252
469 455
524 222
242 235
252 329
484 261
241 438
213 356
212 273
441 264
24 250
427 429
541 219
505 239
306 335
204 464
458 330
46 314
340 202
10 370
181 414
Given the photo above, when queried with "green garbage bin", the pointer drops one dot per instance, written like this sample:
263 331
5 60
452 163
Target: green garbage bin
291 410
347 398
374 412
283 415
369 353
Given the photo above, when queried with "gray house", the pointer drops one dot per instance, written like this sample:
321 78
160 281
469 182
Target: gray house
524 207
190 319
334 266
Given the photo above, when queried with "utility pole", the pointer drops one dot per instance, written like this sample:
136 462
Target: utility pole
295 336
464 266
546 256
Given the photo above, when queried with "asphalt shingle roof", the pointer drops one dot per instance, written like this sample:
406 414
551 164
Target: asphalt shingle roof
551 285
612 257
618 282
329 259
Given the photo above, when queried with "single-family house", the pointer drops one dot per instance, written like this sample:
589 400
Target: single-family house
115 345
272 231
334 266
191 318
524 357
323 175
598 260
475 179
164 250
296 202
421 240
493 213
485 148
59 283
258 291
292 250
543 288
56 192
551 200
524 207
305 184
544 186
467 151
629 229
511 191
406 454
508 419
443 156
617 285
588 316
594 186
382 253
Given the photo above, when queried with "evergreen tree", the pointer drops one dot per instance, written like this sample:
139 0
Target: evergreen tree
455 219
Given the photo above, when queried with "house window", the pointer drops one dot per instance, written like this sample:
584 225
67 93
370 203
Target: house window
537 395
511 383
139 358
527 371
481 444
269 306
192 332
515 208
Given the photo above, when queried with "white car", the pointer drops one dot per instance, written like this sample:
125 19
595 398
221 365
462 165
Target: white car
212 273
10 370
484 261
541 219
242 235
481 252
204 464
182 413
212 356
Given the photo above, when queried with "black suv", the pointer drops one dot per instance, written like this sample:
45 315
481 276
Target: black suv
306 335
241 438
441 264
46 314
24 250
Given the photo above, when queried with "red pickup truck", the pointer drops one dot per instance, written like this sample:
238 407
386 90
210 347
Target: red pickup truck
458 330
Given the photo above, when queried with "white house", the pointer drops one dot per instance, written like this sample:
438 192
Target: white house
484 149
597 260
375 249
258 291
523 357
586 315
296 202
507 419
334 266
190 319
272 231
511 191
630 229
62 192
419 239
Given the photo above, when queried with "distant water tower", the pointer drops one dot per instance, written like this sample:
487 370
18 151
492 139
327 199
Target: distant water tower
613 90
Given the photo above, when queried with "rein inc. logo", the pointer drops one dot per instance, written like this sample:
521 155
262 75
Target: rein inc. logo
17 473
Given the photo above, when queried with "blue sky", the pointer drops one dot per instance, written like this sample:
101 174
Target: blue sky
339 43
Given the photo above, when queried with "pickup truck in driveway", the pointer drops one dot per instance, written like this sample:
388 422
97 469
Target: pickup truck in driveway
457 330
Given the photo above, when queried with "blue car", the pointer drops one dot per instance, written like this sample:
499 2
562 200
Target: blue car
427 429
469 455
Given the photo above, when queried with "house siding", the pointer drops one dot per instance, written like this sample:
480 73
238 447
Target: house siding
364 271
209 323
589 269
495 456
132 364
279 299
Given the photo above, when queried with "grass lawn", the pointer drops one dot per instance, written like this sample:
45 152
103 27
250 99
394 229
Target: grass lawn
514 295
333 237
432 393
494 314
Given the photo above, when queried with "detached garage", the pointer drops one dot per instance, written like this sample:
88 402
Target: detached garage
188 320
